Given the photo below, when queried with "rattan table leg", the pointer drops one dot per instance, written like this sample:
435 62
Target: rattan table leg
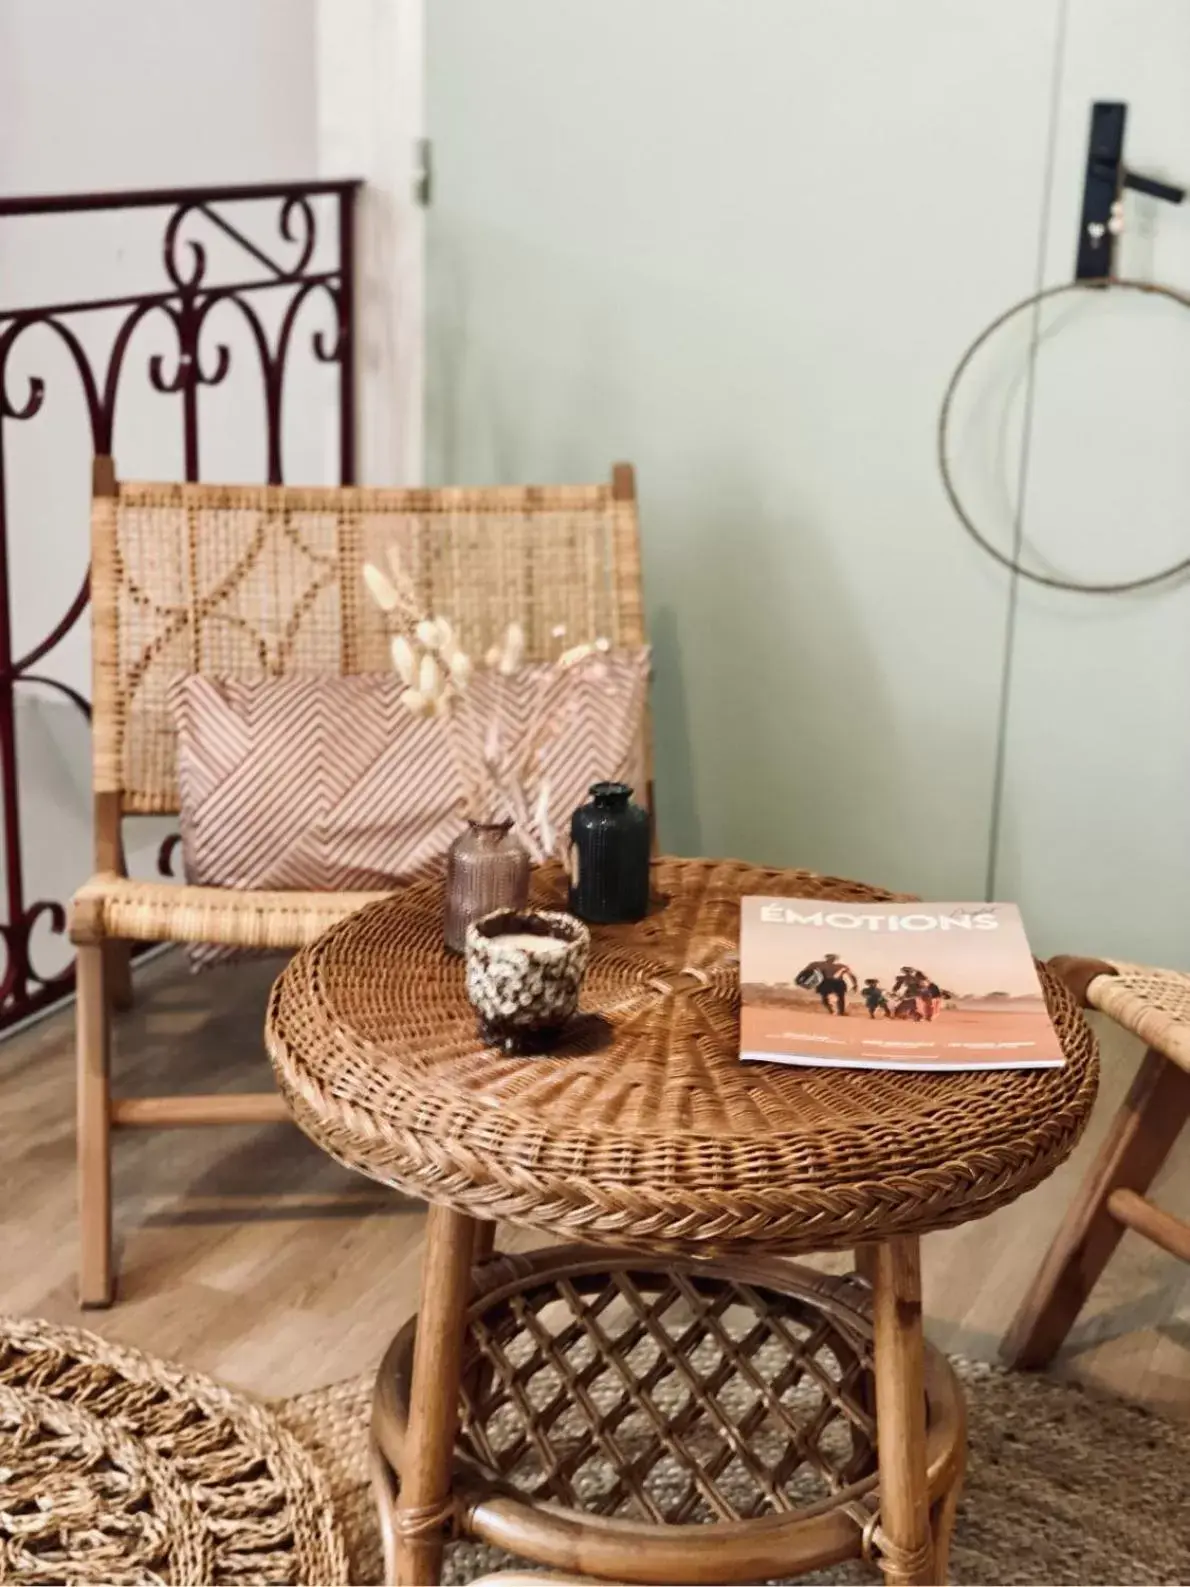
485 1242
865 1262
424 1511
944 1514
903 1537
384 1496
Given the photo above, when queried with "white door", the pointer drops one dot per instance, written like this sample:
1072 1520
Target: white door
1094 829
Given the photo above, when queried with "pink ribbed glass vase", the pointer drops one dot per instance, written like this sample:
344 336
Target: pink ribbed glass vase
487 868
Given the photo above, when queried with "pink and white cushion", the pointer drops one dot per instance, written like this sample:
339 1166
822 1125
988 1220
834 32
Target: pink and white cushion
327 783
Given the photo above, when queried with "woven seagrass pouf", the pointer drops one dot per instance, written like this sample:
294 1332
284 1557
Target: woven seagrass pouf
115 1467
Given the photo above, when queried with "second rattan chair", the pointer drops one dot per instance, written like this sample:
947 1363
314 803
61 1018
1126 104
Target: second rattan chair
266 581
1153 1005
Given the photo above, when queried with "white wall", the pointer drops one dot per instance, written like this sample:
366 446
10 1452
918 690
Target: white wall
743 246
155 93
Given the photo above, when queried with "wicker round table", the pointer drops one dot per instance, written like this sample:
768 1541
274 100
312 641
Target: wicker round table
669 1397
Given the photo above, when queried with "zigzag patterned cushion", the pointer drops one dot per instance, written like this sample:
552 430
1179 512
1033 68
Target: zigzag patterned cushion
329 783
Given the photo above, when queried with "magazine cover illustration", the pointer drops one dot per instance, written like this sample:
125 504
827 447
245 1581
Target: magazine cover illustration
890 986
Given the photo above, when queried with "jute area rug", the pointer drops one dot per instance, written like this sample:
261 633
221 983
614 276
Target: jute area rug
1062 1487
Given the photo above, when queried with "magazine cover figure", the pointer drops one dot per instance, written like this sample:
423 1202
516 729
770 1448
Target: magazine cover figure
875 999
829 977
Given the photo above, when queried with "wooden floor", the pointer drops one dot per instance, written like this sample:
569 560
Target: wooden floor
248 1254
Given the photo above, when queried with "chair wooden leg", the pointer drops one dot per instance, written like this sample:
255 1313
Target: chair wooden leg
94 1129
119 974
424 1509
903 1540
1148 1123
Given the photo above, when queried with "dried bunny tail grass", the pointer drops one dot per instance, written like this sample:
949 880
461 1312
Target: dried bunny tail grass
380 588
437 672
415 702
393 592
429 677
404 585
541 818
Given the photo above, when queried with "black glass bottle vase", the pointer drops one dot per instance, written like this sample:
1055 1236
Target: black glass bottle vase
609 857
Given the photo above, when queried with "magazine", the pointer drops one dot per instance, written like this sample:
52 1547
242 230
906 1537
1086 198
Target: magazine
890 986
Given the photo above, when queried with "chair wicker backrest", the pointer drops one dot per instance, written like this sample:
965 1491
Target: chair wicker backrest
266 581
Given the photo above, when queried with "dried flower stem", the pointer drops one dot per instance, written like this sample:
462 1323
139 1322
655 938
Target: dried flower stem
437 674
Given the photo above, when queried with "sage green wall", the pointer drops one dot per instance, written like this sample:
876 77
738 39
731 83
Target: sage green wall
742 245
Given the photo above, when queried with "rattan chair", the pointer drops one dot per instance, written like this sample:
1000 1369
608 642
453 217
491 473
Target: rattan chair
266 581
1153 1005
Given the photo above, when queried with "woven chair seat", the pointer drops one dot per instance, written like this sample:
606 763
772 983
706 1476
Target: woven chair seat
643 1126
1152 1004
116 907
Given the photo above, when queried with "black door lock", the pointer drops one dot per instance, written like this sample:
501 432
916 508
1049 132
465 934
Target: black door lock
1107 177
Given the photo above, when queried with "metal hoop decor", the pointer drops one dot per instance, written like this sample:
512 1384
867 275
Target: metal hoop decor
1051 581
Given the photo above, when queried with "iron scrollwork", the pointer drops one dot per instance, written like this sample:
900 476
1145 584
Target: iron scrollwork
186 302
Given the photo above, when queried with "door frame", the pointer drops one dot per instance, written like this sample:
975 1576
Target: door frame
370 85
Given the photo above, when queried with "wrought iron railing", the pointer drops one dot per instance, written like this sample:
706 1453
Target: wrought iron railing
300 262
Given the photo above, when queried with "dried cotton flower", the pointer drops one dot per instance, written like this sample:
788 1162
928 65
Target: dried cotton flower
415 702
427 633
460 668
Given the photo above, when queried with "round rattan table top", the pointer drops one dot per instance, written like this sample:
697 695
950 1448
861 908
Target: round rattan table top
642 1127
